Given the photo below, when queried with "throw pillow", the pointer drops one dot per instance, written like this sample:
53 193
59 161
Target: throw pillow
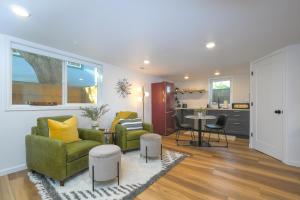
120 115
64 131
132 124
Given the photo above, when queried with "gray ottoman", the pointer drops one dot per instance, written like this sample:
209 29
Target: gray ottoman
104 162
150 146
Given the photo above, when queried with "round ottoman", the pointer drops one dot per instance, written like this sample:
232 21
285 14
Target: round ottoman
150 146
104 162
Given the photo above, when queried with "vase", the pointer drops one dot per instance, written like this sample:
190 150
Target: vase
201 114
95 125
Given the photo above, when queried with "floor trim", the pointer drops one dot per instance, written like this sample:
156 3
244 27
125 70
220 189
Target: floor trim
13 169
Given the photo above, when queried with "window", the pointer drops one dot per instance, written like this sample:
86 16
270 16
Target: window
220 90
43 78
35 79
82 83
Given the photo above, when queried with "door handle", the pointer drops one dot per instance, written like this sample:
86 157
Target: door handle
278 112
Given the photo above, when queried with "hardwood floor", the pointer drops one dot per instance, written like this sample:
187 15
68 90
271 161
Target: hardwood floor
208 173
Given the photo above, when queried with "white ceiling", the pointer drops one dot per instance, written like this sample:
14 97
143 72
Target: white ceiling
170 33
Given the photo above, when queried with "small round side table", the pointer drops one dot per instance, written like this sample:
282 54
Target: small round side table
108 133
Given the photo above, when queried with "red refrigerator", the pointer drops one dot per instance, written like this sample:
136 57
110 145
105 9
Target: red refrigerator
163 107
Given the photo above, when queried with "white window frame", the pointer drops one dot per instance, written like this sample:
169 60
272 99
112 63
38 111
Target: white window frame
11 42
210 85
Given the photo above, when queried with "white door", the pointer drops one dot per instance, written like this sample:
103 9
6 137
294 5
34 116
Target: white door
267 93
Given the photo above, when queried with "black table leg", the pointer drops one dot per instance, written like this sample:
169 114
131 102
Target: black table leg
199 132
118 172
146 154
93 177
161 151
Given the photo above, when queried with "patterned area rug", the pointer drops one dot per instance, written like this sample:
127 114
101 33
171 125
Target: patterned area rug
135 176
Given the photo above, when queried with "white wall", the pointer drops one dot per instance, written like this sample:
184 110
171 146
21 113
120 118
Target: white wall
240 88
14 125
292 107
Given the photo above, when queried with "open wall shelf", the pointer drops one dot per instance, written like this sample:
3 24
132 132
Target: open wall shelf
188 91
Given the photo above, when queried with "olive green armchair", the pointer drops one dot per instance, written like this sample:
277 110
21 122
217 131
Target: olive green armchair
55 158
130 140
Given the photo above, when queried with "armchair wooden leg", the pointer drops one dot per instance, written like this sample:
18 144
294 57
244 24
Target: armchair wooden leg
62 183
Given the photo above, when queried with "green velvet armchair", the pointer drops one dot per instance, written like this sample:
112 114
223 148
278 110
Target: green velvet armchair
130 140
55 158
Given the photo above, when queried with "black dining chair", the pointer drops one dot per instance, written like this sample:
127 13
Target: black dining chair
182 127
218 127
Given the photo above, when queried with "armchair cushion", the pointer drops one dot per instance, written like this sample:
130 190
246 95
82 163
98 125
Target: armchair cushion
76 150
42 124
135 134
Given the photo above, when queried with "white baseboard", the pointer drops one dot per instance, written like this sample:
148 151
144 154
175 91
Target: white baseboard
13 169
292 163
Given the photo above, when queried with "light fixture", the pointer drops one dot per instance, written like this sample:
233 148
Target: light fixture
139 89
146 62
210 45
186 77
81 79
141 98
19 10
217 73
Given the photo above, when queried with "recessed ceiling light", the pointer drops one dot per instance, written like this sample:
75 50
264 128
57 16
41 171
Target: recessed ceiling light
210 45
146 62
186 77
20 11
217 73
81 79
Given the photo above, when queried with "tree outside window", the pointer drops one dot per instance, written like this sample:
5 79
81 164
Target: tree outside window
220 91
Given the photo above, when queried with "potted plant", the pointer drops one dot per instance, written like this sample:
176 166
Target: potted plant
94 114
201 111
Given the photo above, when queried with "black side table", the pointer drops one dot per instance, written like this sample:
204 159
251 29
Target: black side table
108 133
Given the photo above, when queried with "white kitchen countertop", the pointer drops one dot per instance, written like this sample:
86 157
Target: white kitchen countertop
211 109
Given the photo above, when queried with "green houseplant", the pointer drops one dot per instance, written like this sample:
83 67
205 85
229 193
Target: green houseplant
94 114
201 111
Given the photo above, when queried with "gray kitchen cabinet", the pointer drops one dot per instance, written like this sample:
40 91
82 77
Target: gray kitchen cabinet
238 121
